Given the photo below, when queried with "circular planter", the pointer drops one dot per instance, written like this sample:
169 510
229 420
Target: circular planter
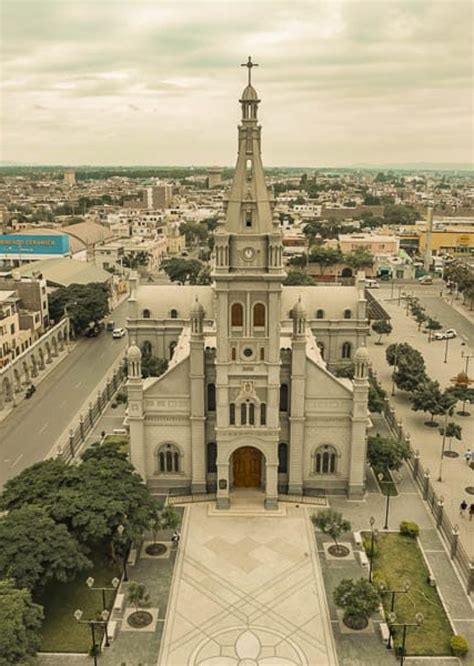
463 413
470 490
431 424
156 549
338 551
140 619
451 454
355 622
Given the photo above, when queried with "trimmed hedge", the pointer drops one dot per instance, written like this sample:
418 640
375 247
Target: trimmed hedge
409 529
459 646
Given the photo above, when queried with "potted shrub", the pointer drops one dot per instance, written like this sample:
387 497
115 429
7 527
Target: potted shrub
358 599
138 597
459 646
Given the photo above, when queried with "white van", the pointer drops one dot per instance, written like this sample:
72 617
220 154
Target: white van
371 284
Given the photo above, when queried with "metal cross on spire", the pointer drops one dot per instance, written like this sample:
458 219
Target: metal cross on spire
249 64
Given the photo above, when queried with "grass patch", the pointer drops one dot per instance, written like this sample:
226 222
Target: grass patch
399 559
61 632
387 485
121 441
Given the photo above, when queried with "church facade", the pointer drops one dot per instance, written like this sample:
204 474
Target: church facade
249 399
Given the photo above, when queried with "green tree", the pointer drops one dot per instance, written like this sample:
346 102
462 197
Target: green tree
296 278
410 366
135 259
38 484
85 304
381 327
332 523
452 430
462 393
386 453
182 270
152 366
324 257
34 548
163 518
20 624
429 398
431 326
204 275
357 598
359 258
137 595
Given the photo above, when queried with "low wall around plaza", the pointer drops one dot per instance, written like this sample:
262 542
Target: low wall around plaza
31 366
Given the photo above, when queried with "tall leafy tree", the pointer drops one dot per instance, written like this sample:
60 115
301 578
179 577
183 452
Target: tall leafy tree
381 327
34 548
325 257
386 453
20 624
38 484
83 303
359 258
429 398
332 523
296 278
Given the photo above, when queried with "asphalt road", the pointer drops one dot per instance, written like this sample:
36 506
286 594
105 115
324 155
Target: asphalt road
29 432
436 307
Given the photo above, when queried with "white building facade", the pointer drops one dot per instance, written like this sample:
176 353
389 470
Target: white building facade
249 399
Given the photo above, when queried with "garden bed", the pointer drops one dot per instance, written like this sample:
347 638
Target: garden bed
61 632
121 441
387 486
398 559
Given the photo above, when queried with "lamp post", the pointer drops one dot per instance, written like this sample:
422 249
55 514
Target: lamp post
90 584
374 534
384 589
419 617
92 624
121 530
468 357
387 501
395 361
447 413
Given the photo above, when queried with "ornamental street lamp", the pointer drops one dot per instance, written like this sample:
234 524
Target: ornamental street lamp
384 590
392 618
92 624
387 496
374 534
121 530
90 584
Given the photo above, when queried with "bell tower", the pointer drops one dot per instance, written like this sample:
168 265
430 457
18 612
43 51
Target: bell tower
248 274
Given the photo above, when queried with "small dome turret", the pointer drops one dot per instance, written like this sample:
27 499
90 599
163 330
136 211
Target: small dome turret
249 95
134 361
298 308
197 310
134 353
362 355
361 360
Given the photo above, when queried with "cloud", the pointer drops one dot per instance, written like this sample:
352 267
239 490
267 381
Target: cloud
340 80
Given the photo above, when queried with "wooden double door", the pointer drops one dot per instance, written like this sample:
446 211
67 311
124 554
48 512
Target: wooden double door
247 467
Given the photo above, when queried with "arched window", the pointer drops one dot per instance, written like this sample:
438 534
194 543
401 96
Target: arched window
325 460
322 349
174 313
234 353
319 314
168 459
146 313
211 458
237 315
243 414
172 348
346 350
211 397
282 458
259 315
347 314
263 414
262 353
251 414
283 397
232 413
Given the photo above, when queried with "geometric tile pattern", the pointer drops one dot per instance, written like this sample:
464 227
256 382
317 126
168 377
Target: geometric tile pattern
247 591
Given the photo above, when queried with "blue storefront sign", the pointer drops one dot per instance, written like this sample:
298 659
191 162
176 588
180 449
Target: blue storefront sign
20 245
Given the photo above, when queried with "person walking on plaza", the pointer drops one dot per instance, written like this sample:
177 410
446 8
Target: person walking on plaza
462 508
468 456
471 511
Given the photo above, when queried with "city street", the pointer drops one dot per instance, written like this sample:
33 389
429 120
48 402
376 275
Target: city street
456 476
29 432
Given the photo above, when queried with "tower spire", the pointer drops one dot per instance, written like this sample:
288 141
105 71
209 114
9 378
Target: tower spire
249 64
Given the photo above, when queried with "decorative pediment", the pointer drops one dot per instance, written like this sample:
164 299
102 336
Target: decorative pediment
247 392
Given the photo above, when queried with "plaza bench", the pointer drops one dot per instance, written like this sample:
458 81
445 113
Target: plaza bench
132 557
364 560
357 538
111 629
385 631
118 603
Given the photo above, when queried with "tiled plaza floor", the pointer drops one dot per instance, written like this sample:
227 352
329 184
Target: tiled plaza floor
247 590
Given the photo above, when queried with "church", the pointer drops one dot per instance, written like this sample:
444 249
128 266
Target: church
250 398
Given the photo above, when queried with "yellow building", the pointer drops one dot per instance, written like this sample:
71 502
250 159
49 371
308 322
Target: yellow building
457 242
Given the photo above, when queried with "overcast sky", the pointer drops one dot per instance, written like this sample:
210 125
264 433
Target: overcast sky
132 82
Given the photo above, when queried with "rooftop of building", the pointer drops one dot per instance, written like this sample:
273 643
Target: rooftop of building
62 272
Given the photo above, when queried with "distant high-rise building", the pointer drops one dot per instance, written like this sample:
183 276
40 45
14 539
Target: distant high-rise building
214 177
69 176
158 197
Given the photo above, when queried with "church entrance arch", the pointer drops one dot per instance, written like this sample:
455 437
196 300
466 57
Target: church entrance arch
247 465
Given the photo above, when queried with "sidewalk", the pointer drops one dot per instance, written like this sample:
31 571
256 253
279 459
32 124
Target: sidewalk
456 475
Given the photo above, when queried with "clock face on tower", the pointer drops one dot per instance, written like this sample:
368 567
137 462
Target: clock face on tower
248 253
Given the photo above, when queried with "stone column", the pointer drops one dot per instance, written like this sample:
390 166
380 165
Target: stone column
223 500
271 486
454 542
426 483
416 464
439 514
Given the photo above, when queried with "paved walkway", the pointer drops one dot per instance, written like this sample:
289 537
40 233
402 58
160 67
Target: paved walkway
456 475
247 590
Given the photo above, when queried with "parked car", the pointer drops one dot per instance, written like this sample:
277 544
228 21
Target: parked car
118 333
445 335
371 284
425 279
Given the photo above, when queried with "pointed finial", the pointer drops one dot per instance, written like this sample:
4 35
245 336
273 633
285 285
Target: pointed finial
249 64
